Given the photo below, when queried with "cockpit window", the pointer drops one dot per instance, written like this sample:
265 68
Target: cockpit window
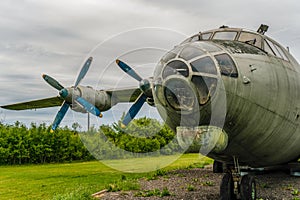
190 52
195 38
251 38
204 65
274 49
225 35
281 52
227 65
268 48
176 67
206 36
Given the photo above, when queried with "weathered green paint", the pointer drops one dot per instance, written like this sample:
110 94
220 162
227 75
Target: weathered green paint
263 116
262 107
206 138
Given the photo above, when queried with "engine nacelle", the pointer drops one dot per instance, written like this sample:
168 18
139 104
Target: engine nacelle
99 98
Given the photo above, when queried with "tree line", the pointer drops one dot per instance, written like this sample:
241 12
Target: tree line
36 145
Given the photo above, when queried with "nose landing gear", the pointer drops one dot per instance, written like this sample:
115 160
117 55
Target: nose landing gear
235 186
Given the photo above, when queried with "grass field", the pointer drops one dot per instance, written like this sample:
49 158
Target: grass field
75 180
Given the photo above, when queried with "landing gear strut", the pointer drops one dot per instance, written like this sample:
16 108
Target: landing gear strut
236 186
218 167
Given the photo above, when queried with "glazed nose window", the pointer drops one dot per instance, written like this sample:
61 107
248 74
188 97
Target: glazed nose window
227 65
204 65
176 67
190 52
179 95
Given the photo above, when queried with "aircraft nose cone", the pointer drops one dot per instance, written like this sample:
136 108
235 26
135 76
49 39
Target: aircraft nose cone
63 93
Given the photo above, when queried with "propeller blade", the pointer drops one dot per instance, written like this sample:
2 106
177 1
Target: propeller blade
88 106
60 115
83 71
128 70
51 81
134 109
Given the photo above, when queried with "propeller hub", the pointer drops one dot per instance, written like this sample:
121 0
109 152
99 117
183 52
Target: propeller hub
63 93
145 85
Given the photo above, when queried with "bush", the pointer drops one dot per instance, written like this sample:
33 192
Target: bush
36 145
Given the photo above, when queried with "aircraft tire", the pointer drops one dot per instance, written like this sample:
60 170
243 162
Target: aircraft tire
226 188
248 188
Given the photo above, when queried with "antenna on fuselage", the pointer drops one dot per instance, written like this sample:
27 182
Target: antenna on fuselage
263 29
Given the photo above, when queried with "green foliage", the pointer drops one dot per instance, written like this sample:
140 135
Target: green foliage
36 145
156 174
208 183
165 192
295 192
142 135
140 138
155 192
123 186
190 188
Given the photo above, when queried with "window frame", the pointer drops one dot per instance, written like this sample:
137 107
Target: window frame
276 49
206 33
234 73
200 71
229 31
251 33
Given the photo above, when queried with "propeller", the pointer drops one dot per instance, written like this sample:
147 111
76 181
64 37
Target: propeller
88 106
83 71
51 81
145 87
63 92
134 109
60 115
128 70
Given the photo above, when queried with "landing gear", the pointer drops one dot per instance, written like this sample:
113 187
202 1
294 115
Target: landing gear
294 169
218 167
226 189
248 188
235 186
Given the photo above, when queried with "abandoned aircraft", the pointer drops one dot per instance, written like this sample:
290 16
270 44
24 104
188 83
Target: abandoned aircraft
235 91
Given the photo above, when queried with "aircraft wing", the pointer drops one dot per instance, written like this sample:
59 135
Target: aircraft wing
124 95
118 96
42 103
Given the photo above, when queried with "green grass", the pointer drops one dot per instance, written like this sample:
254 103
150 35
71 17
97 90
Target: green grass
155 192
76 180
190 188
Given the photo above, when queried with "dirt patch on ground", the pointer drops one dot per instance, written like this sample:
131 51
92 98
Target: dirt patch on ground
204 184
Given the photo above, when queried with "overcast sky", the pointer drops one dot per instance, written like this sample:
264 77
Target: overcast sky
55 37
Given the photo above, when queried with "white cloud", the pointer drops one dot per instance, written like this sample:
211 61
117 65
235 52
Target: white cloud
54 37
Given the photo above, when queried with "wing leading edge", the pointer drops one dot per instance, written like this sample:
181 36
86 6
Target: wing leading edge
36 104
